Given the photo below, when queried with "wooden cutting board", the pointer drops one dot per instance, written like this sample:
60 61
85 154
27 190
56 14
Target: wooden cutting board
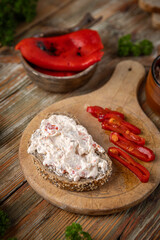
124 190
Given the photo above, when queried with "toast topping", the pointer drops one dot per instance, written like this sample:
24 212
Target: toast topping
68 149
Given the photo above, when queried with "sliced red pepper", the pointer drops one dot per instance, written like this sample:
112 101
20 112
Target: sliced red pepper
111 125
54 73
75 51
143 153
119 114
100 112
119 121
134 138
141 172
96 111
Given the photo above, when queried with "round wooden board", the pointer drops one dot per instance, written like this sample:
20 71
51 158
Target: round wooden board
124 189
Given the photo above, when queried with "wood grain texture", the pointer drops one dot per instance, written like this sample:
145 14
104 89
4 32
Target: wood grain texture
21 100
156 20
123 190
34 218
44 10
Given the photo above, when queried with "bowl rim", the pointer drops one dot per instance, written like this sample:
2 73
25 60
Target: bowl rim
153 69
83 72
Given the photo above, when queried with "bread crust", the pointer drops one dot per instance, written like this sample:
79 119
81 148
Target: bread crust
64 182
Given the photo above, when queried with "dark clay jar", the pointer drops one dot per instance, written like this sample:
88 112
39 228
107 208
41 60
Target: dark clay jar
153 86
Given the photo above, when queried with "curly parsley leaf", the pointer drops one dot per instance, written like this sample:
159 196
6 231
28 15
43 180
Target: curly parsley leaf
74 232
136 50
4 223
12 12
124 45
146 47
128 48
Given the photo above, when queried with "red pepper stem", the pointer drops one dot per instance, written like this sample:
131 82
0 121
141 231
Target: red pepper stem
141 172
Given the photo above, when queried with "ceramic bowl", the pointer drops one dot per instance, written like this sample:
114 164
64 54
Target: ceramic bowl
152 87
58 84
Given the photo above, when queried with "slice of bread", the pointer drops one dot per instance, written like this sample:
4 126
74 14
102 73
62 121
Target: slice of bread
64 182
150 5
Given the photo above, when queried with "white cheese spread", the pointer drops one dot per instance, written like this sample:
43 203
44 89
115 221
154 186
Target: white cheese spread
67 148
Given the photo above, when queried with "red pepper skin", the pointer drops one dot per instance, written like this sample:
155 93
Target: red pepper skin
134 138
143 153
75 51
141 172
54 73
119 114
117 120
100 112
107 124
96 111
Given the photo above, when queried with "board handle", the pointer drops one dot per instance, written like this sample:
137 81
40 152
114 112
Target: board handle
126 77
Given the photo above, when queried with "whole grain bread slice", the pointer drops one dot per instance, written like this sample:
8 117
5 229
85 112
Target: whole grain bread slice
64 182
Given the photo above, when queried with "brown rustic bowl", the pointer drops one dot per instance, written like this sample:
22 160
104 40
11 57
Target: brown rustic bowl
58 84
152 87
68 83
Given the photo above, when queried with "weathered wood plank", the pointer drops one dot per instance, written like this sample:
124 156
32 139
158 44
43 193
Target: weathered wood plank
44 10
34 218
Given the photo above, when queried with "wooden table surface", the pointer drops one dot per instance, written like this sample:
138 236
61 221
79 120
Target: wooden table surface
31 216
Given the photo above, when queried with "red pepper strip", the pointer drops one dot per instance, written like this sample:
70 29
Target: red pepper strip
54 73
96 111
108 124
134 138
118 121
119 114
100 112
75 51
141 172
143 153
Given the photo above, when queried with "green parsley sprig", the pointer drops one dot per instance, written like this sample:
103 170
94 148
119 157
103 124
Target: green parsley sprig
74 232
126 47
4 224
12 12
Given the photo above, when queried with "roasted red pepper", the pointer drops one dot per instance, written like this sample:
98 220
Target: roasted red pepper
111 125
120 122
141 172
100 112
143 153
70 52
